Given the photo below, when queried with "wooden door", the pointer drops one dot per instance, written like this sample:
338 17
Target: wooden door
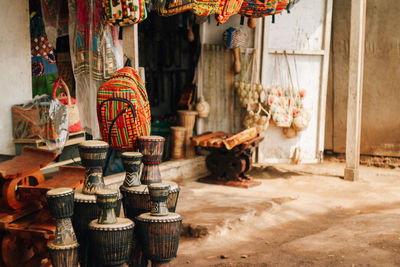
305 36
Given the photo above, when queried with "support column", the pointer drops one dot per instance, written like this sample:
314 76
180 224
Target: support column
131 45
354 102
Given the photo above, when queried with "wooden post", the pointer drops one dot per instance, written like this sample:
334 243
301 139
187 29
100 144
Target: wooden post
131 45
354 102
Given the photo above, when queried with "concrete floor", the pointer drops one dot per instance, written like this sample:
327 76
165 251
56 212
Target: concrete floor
301 215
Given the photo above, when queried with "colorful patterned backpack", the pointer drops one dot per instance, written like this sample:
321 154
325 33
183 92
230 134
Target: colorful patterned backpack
125 12
123 110
227 8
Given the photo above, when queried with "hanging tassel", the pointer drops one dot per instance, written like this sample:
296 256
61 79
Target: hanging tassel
273 18
120 33
241 20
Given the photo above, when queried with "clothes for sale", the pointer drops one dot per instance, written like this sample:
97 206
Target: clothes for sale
44 67
96 53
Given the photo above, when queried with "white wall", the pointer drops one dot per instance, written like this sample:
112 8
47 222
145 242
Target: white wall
15 65
304 35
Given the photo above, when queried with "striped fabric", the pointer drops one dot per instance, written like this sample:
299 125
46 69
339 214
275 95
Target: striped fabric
123 110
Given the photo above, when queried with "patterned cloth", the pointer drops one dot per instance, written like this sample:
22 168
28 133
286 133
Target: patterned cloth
44 67
96 53
123 110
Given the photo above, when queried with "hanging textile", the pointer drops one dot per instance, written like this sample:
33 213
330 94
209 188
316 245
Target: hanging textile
44 68
96 53
55 18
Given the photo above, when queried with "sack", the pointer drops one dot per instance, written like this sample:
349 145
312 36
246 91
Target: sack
168 8
74 122
227 8
125 12
258 8
123 110
42 118
205 8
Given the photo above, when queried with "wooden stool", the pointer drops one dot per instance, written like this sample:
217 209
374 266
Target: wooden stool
20 170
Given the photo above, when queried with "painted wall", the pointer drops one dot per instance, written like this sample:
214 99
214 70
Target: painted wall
15 65
380 133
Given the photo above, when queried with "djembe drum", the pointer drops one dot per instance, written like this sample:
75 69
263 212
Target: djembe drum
93 156
136 198
187 118
152 148
111 237
159 230
132 162
64 248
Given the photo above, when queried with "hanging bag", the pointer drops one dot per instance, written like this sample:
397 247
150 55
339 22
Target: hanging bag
124 12
279 98
258 8
168 8
226 9
204 8
302 116
74 122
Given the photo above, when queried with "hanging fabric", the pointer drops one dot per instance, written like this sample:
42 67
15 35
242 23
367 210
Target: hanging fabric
44 67
55 18
96 53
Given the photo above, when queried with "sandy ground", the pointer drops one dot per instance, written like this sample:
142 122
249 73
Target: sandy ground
301 215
